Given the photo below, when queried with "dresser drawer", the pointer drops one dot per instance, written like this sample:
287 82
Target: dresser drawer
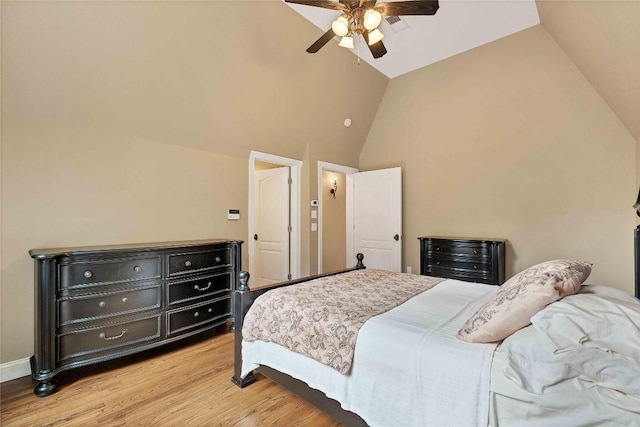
198 261
98 306
449 249
199 315
459 274
461 265
89 273
184 290
85 342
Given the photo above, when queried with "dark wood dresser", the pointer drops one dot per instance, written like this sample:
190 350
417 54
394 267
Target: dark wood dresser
99 303
468 259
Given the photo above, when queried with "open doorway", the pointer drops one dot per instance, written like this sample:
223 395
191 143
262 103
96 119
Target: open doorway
273 218
332 245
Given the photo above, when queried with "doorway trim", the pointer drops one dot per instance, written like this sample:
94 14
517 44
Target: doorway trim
327 167
296 166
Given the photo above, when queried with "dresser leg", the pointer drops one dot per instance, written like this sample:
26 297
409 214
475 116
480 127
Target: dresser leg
45 388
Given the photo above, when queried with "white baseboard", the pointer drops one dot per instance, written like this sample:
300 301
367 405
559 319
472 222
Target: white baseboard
16 369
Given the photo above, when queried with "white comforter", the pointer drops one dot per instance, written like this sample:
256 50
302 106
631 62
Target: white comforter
409 369
577 365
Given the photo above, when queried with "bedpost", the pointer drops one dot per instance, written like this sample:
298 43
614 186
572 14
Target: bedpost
240 305
636 254
360 257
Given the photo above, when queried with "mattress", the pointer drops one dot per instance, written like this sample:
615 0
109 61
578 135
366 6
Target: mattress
577 364
408 369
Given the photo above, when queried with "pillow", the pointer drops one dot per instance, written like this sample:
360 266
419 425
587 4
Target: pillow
522 296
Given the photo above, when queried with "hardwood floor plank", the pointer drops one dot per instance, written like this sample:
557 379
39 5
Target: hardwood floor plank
177 385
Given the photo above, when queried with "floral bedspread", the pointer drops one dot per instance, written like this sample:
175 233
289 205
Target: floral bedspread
321 318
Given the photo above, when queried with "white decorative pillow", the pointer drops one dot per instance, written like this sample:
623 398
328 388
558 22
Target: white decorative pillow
522 296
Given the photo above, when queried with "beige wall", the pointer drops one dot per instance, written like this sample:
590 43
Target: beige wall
603 39
510 140
334 214
133 121
86 187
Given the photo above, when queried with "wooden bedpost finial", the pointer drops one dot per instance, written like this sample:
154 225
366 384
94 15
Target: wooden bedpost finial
243 278
360 257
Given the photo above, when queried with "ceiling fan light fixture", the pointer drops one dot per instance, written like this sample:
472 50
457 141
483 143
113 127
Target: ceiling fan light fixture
372 19
375 36
340 26
347 42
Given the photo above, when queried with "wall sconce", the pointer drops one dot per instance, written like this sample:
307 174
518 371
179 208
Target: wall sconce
333 190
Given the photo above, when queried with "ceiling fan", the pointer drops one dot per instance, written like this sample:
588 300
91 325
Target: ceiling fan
362 17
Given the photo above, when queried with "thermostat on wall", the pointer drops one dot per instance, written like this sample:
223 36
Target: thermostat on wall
233 214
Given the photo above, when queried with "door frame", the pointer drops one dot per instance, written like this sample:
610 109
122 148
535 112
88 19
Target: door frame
329 167
295 197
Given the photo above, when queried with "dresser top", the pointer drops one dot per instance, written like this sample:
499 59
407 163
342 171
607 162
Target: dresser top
464 239
155 246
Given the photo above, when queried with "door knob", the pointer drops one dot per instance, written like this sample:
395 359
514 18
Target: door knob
255 237
396 237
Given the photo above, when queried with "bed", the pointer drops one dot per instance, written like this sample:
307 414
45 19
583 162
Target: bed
434 356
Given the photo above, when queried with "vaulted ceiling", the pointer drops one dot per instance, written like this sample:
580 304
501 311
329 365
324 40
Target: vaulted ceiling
602 38
415 41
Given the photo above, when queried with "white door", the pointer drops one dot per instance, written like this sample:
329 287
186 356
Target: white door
374 218
271 227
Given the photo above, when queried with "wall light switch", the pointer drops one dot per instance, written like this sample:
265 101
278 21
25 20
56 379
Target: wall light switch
314 214
314 226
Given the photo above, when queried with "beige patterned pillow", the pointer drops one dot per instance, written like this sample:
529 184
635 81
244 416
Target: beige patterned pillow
522 296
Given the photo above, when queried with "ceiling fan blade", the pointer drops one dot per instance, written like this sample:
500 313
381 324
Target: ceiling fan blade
324 39
367 4
399 8
326 4
377 49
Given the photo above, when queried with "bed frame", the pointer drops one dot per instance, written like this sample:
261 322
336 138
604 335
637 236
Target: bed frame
636 256
244 297
242 301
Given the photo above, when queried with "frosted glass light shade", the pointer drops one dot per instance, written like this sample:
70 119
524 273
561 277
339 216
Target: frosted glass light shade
375 36
346 42
372 19
340 26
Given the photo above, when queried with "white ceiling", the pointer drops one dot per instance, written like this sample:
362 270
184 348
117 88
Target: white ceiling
459 25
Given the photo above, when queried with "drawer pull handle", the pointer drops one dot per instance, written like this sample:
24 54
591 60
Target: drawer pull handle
88 274
196 314
102 304
115 337
198 288
218 259
187 263
437 248
125 299
475 267
210 310
137 269
475 251
437 262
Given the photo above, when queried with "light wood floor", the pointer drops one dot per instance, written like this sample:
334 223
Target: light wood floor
178 385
